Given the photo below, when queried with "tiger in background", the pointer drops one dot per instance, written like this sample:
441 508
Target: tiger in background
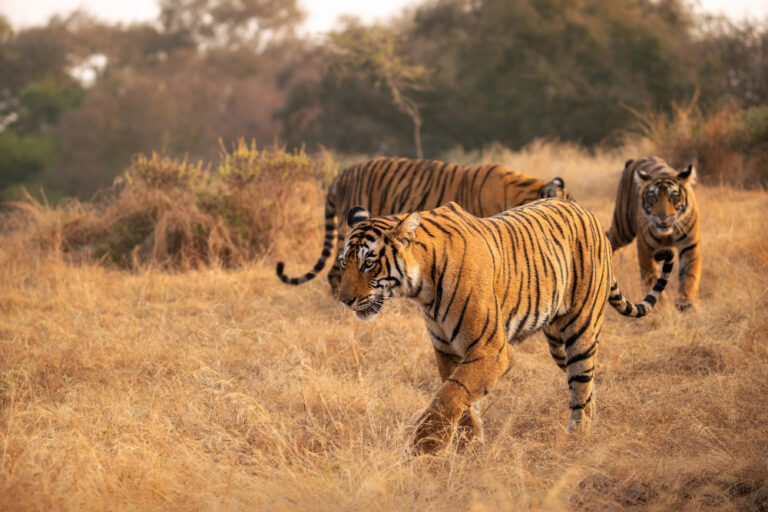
388 186
485 283
656 204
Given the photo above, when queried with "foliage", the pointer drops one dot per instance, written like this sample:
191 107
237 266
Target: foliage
22 157
35 91
511 72
373 50
175 214
728 144
149 87
228 22
517 71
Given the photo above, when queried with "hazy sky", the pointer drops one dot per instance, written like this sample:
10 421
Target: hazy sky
321 13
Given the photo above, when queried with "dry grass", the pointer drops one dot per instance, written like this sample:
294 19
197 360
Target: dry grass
727 145
225 389
176 215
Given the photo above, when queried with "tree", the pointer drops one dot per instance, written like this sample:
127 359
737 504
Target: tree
35 90
516 71
227 23
374 50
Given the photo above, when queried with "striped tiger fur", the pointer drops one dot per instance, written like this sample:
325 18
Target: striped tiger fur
387 186
485 283
656 204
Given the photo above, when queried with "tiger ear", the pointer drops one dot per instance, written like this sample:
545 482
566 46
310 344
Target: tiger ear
406 228
688 174
628 163
641 176
357 214
558 182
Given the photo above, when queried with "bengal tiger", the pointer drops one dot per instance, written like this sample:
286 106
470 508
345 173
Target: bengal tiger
485 283
656 204
393 185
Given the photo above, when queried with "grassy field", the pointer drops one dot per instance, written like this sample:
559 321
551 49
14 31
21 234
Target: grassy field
228 390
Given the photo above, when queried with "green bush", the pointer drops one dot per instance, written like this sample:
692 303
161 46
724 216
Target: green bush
756 127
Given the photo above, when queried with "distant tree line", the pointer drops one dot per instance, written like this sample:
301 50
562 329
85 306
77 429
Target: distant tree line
79 97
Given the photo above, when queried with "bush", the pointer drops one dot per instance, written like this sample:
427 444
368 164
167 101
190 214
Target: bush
728 144
174 214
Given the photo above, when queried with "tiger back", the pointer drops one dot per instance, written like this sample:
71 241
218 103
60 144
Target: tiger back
482 284
387 186
656 205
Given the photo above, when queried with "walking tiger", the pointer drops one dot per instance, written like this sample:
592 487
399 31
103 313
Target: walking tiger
656 204
483 283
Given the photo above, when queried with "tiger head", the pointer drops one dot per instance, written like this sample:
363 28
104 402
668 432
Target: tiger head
376 261
554 188
665 194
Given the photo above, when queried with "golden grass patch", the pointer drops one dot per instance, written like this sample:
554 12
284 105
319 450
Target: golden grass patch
226 389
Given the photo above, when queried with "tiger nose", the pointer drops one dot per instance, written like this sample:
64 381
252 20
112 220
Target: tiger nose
347 300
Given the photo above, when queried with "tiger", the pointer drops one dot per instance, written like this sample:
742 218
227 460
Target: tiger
483 284
393 185
656 204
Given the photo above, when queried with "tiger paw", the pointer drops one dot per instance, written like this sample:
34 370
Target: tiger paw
580 421
433 431
684 304
470 432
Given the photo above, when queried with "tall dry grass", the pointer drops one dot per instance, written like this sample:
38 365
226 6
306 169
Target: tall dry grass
226 390
727 144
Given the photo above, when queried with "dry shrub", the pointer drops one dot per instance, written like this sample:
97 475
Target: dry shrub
728 145
174 214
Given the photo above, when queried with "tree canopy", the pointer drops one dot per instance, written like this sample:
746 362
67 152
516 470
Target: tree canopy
79 97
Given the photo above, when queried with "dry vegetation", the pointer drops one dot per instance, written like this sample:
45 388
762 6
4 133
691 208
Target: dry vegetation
173 214
225 389
727 145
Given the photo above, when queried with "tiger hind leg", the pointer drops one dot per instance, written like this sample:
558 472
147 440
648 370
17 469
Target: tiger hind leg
580 369
578 350
690 276
556 348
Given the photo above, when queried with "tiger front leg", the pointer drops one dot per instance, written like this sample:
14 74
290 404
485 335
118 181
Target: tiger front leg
334 275
646 262
689 276
334 278
471 379
470 427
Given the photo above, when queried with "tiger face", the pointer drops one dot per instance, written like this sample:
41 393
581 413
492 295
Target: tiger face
664 198
376 262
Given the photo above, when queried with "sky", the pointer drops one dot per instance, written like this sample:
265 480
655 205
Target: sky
322 14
